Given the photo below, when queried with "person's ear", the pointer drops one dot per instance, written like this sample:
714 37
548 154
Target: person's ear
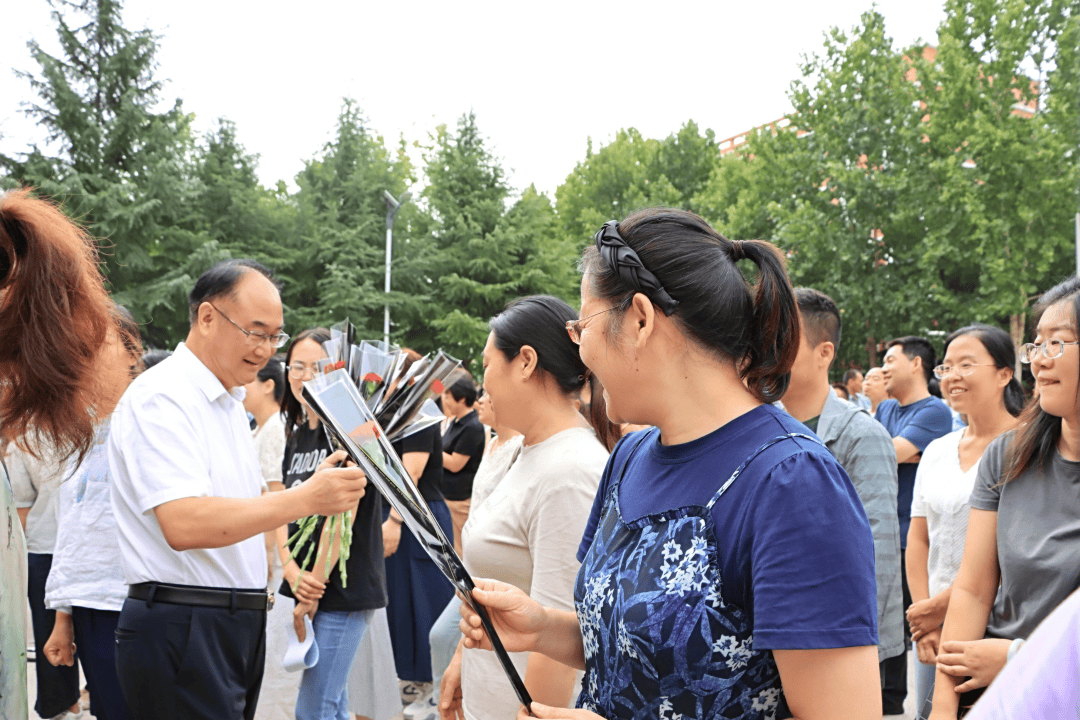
204 318
527 361
826 352
1005 376
640 319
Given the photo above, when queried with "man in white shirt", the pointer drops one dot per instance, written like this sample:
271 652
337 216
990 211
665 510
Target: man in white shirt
187 495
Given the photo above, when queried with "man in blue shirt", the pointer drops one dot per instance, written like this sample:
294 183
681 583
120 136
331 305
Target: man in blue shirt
914 418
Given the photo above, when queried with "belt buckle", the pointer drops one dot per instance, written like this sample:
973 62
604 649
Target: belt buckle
269 601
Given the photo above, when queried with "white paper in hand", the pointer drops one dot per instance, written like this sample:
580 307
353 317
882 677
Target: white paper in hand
301 655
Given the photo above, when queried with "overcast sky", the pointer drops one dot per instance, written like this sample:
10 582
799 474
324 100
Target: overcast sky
542 78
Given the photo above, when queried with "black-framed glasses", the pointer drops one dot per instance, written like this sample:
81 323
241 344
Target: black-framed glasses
573 327
1052 348
962 369
255 338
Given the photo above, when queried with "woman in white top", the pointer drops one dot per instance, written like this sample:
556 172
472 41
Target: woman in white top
527 530
86 585
500 452
977 378
262 398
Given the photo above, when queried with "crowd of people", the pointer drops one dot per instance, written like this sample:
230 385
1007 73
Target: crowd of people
668 508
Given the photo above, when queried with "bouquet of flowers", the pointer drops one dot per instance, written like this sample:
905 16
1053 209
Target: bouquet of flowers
398 400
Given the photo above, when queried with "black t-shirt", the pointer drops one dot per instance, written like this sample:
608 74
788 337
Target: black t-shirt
366 568
426 441
466 437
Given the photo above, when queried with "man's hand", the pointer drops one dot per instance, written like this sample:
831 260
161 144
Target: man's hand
924 616
332 490
978 660
310 588
391 536
298 613
60 648
927 646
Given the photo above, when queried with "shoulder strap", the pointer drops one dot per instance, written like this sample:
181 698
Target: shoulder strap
750 458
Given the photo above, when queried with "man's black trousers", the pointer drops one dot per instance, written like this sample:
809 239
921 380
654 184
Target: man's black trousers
188 662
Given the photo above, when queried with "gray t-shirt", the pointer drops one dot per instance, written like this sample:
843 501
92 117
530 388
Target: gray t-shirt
1038 538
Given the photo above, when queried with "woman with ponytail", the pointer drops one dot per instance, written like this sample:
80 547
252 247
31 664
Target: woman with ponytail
1023 531
977 378
731 570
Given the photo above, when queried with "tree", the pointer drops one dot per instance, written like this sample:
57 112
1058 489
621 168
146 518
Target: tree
1003 102
481 254
121 166
633 172
336 271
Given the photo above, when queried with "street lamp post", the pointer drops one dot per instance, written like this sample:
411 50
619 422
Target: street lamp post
392 207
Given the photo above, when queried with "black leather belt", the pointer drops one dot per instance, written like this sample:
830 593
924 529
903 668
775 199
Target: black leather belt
231 599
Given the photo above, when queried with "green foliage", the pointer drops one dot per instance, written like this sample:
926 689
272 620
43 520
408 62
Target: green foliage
336 268
477 255
906 186
121 166
633 172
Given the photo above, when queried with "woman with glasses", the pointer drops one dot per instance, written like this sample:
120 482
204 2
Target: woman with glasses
340 613
977 379
731 570
1023 535
525 533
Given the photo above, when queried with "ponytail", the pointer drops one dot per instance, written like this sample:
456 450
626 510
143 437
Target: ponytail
607 432
775 323
689 271
54 317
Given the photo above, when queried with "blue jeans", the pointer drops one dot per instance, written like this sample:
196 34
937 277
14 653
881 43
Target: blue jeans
323 693
444 637
924 682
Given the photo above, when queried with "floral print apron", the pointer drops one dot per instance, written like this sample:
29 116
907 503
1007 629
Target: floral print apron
660 640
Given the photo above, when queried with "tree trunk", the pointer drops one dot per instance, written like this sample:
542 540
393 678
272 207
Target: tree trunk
1016 331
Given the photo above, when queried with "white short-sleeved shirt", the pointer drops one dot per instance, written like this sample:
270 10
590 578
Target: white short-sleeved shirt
35 482
178 433
270 447
941 495
526 533
86 561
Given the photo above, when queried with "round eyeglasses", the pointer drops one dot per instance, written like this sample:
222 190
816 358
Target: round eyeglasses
1052 348
963 369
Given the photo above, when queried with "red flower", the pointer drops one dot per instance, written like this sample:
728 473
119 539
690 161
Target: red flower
438 387
372 377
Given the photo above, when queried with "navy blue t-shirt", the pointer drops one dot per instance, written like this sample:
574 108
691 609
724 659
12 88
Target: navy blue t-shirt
795 547
920 423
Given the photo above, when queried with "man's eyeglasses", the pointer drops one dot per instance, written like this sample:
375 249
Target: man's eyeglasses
573 327
1052 348
963 369
254 338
